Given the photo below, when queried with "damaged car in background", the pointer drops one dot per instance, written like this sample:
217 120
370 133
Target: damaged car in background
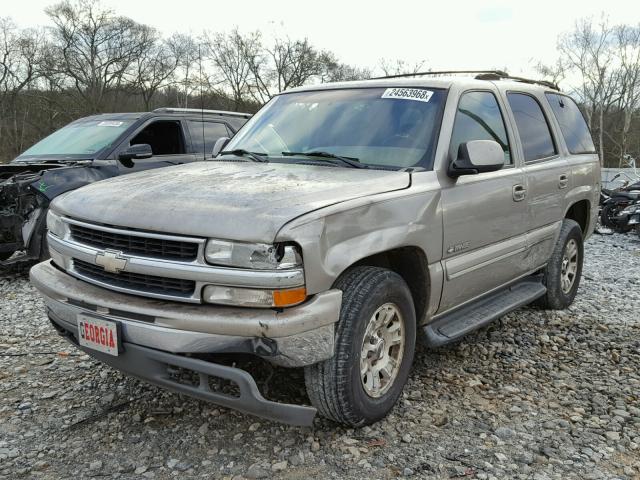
95 148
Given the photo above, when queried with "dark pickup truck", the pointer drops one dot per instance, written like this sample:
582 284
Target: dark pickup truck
95 148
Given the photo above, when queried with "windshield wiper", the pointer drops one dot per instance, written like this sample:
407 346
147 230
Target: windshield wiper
240 152
351 161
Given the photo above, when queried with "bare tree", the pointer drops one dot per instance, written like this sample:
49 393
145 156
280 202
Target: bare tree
627 52
399 67
231 53
96 48
155 67
186 52
588 49
21 61
335 71
554 73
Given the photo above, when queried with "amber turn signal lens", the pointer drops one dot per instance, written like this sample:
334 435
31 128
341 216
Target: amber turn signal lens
287 298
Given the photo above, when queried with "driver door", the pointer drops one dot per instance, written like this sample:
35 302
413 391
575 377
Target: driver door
484 215
168 142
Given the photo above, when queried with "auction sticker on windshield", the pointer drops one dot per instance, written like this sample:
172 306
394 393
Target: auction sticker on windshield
109 123
417 94
98 334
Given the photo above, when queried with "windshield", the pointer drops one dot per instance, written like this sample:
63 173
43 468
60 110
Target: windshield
83 139
392 127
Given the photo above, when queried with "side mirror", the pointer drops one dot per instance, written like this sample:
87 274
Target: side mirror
219 146
477 156
135 152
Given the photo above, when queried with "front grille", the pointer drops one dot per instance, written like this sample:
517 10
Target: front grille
135 245
135 281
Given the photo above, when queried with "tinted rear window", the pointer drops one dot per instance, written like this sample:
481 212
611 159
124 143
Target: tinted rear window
532 125
572 124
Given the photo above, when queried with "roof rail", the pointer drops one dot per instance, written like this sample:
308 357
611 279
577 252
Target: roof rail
479 75
495 76
198 110
444 72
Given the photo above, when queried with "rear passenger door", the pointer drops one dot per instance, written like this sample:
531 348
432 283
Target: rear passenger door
204 134
484 215
546 174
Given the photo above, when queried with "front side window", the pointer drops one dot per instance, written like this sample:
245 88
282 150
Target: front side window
572 124
392 127
532 125
164 136
479 118
204 135
82 139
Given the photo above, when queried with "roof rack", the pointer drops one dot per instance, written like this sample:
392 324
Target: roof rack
479 75
493 76
198 110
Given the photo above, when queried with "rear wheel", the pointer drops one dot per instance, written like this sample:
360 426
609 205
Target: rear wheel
375 345
562 273
607 218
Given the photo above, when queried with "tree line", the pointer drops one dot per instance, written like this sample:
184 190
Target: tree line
90 60
600 62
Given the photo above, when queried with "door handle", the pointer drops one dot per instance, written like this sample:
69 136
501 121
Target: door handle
563 181
519 193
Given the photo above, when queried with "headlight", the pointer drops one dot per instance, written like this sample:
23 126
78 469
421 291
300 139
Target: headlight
252 255
55 225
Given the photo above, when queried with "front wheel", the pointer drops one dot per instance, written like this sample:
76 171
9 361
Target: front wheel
375 345
562 273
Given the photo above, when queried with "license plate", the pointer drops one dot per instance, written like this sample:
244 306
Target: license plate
98 334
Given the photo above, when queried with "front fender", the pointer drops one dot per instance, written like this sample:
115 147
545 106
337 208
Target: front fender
334 238
52 183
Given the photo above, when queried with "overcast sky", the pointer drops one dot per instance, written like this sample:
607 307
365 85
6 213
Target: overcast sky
449 34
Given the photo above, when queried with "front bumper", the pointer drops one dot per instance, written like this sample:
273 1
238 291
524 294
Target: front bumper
156 332
155 366
293 337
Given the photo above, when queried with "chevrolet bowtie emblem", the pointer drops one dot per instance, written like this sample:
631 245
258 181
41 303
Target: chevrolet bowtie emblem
111 260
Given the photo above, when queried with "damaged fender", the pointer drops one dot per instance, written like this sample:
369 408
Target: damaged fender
25 193
350 231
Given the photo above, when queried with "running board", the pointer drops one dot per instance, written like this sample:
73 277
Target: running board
455 325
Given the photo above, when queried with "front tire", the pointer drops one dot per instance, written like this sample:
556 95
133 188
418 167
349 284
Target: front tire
375 343
562 273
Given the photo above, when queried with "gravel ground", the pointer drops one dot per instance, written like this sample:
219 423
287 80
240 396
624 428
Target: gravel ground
536 395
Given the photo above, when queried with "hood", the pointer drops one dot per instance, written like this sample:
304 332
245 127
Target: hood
7 170
227 200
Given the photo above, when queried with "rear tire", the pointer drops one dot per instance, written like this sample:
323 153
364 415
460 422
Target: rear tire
562 273
375 343
606 219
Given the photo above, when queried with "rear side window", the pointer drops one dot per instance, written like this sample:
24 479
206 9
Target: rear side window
533 127
572 124
204 139
479 118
